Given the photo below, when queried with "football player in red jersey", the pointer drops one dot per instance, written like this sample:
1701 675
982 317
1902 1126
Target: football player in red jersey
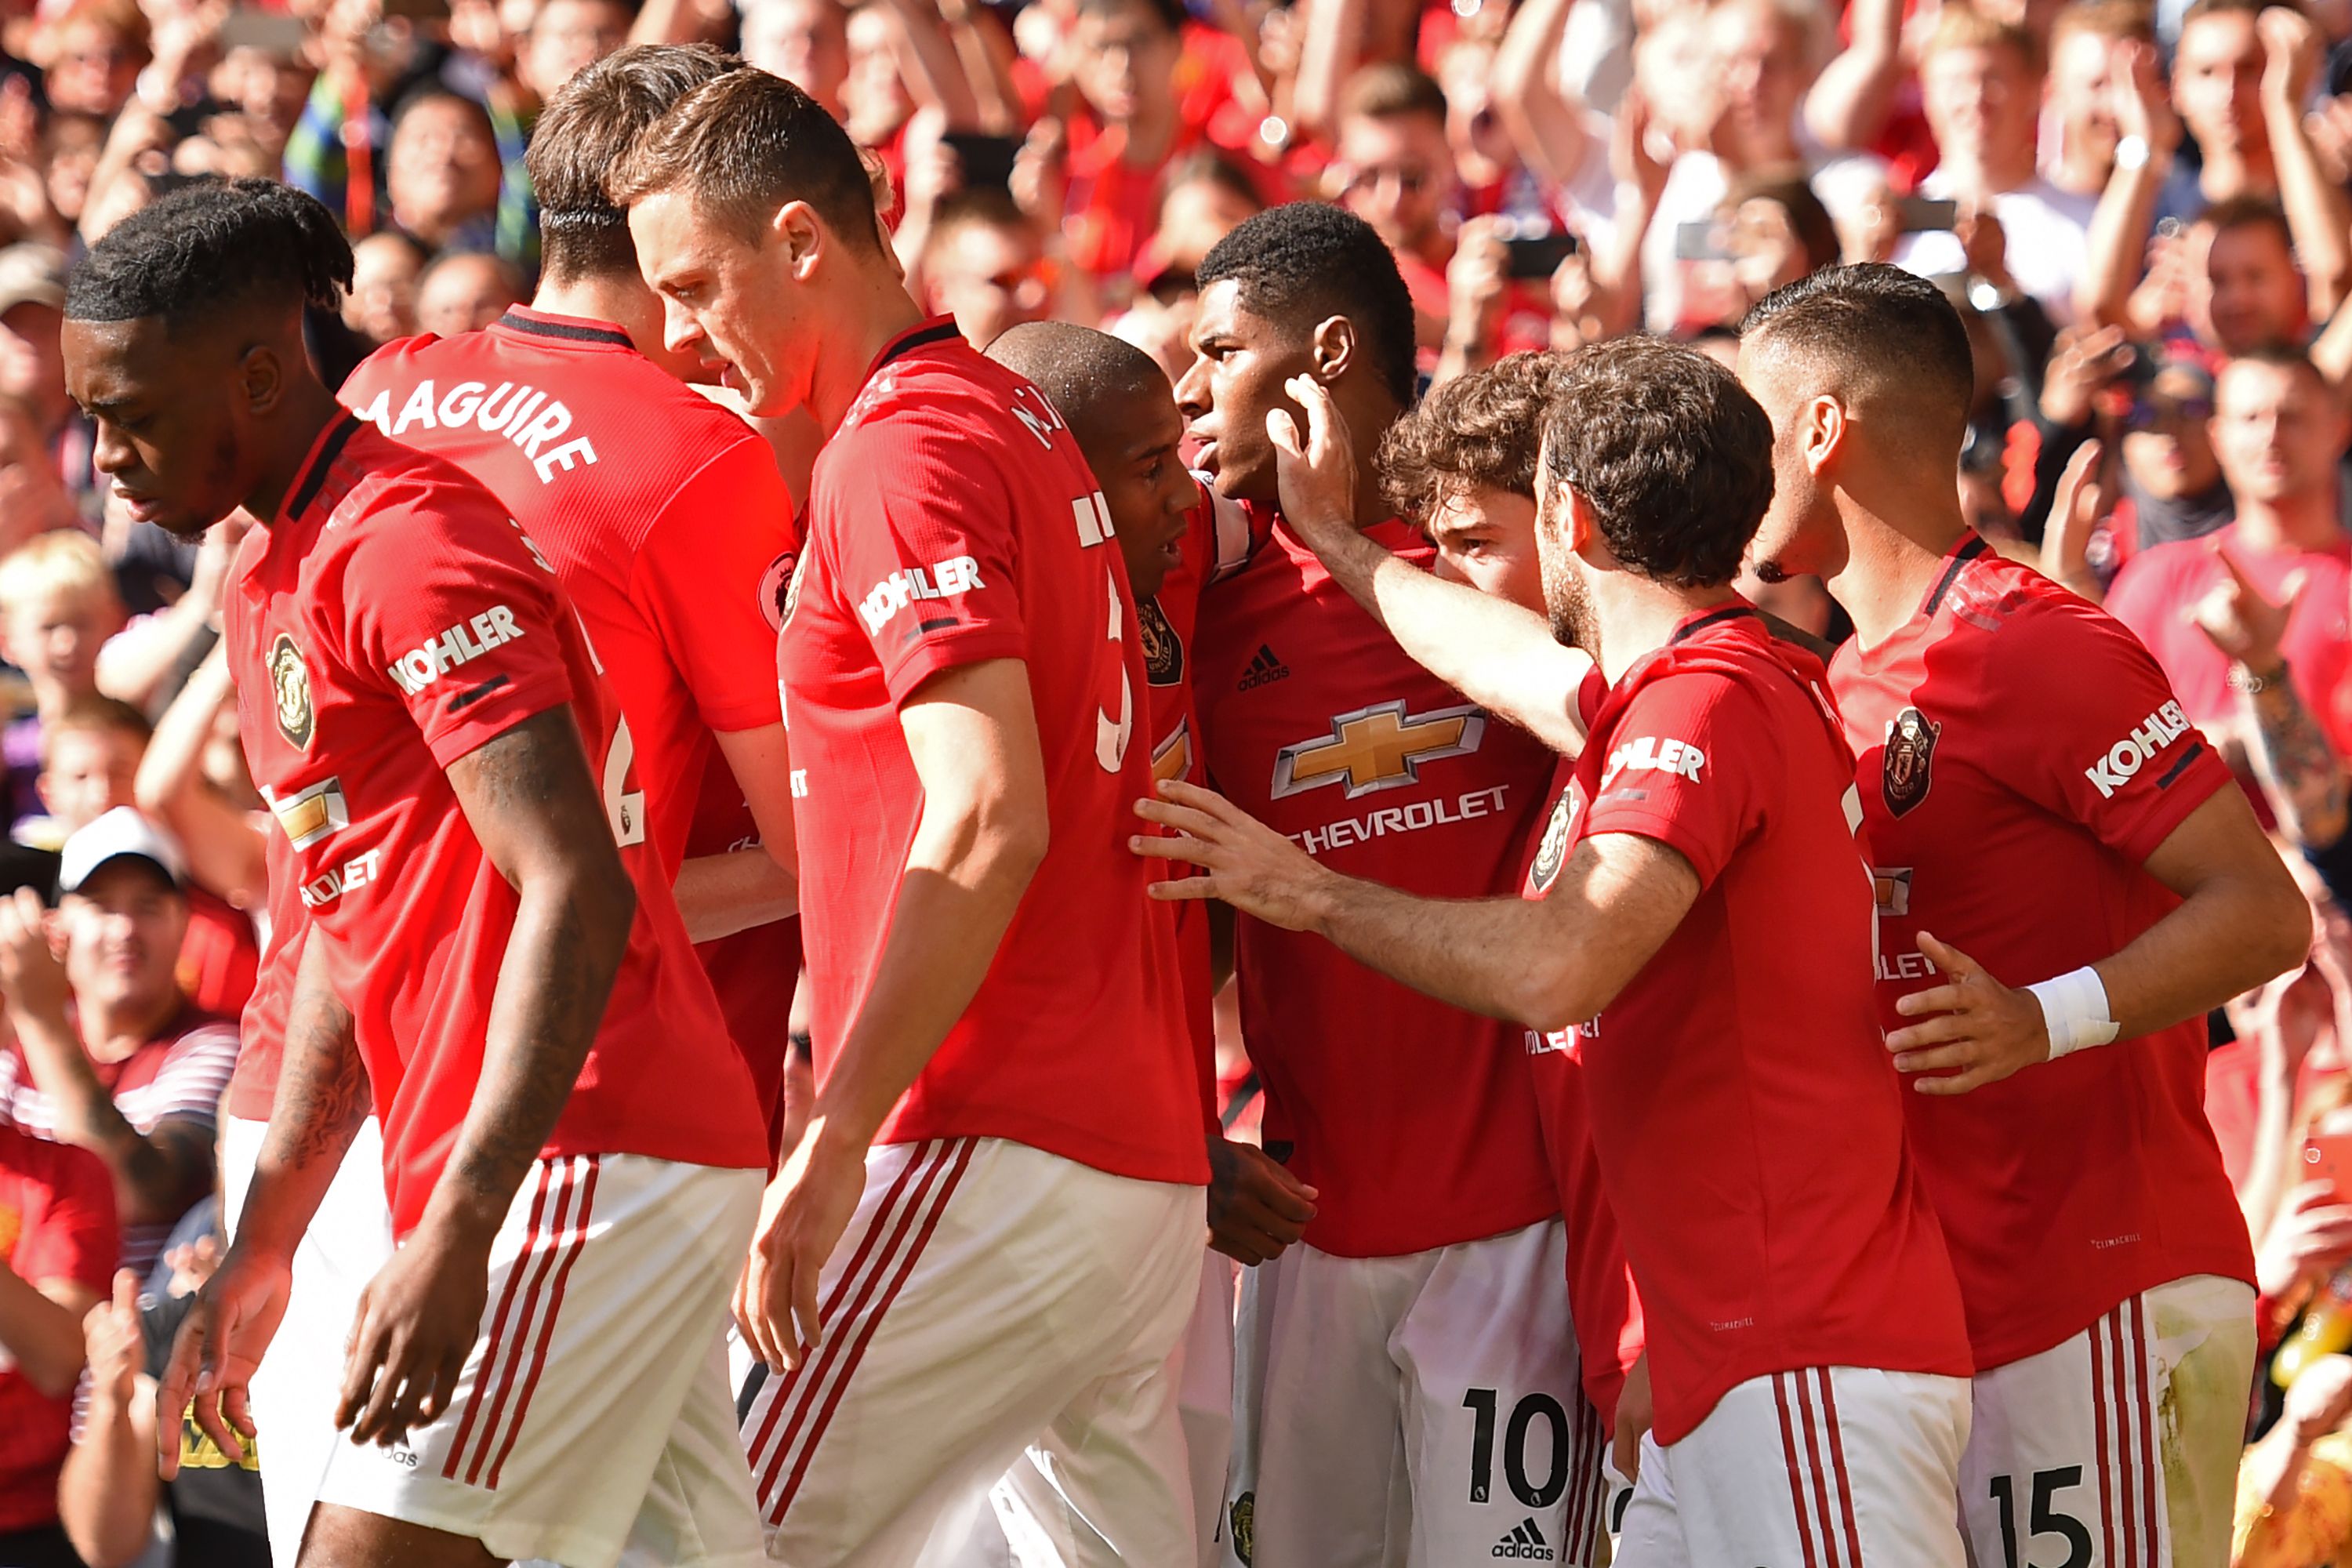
569 1151
1807 1349
989 1236
2054 839
1310 715
1174 534
662 515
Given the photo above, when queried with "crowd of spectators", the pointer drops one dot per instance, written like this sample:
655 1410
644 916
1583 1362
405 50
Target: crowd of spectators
2143 213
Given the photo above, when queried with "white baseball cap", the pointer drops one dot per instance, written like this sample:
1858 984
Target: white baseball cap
120 832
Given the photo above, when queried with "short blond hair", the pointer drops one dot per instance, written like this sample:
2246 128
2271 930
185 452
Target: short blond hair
62 560
1965 27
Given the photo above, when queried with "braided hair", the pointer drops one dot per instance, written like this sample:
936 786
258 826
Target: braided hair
211 250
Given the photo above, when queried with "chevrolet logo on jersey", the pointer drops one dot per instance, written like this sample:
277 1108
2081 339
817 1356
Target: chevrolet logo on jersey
1172 758
1379 747
313 814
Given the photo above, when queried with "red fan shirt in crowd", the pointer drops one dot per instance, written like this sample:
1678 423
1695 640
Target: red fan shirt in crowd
1215 541
1759 1245
390 620
220 957
669 528
177 1074
2158 587
2019 756
57 1222
951 522
1413 1119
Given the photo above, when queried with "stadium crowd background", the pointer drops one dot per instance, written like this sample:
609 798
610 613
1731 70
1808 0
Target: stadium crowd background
2143 215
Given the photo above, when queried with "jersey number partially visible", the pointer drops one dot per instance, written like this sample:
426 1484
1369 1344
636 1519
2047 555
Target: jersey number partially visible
624 805
1111 738
1531 1493
2042 1519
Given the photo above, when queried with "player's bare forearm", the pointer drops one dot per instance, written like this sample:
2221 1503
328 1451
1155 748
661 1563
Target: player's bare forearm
1550 963
532 800
2297 766
2241 921
108 1490
322 1097
719 895
972 735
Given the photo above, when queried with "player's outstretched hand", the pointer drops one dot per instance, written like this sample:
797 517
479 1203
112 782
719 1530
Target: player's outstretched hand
1241 859
1256 1207
801 1217
1316 471
1981 1032
416 1320
219 1344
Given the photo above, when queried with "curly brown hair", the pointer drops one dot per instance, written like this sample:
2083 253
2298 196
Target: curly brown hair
1483 428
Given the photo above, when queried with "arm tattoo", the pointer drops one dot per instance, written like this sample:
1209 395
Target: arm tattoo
532 801
323 1093
2294 758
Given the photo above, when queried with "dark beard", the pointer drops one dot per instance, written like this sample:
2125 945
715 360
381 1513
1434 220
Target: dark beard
1568 608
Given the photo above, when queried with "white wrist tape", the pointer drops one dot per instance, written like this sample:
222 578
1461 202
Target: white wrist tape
2074 1006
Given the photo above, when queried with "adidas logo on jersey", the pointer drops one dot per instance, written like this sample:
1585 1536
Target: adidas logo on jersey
1262 669
1525 1543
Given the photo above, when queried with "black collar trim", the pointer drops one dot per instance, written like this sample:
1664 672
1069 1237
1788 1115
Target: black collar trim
938 332
573 330
1729 612
314 478
1967 553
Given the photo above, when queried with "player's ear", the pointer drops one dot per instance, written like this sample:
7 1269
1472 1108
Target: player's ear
1579 512
801 236
261 376
1824 432
1333 349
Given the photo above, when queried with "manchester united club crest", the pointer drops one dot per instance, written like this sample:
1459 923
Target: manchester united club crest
290 686
1163 651
1905 767
776 589
1552 853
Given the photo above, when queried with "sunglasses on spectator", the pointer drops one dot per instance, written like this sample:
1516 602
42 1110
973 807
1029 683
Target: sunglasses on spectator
2169 411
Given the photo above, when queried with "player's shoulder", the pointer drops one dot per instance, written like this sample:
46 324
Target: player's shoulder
371 494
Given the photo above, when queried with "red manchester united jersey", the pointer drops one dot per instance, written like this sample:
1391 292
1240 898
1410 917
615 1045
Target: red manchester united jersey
1215 541
668 525
2020 755
1414 1119
951 521
390 620
1748 1126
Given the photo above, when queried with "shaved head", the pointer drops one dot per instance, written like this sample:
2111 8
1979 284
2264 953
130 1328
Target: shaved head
1083 372
1122 412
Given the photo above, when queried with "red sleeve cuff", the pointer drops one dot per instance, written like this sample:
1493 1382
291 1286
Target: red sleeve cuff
2203 775
948 650
491 710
